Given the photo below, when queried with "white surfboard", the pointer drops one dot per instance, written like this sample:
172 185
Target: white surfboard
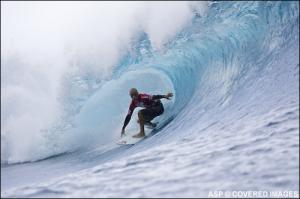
128 139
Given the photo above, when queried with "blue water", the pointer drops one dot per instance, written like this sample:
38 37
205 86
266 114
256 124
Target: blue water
233 123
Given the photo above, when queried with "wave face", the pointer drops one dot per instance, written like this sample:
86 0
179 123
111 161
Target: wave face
234 71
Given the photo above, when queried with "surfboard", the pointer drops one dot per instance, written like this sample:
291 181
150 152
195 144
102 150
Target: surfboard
128 139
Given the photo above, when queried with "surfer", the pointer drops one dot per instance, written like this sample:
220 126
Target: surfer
152 108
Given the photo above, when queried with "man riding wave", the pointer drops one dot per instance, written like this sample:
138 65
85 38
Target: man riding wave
153 108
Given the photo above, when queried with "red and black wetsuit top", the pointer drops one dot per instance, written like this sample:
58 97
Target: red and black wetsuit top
143 100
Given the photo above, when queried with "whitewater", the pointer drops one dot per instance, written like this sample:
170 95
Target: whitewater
232 125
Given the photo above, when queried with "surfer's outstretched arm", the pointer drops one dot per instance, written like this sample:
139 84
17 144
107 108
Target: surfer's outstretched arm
167 96
127 119
128 116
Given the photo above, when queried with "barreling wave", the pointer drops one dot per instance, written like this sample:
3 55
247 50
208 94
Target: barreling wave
208 61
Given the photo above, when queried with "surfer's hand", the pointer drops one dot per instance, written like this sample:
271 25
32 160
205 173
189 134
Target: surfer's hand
169 95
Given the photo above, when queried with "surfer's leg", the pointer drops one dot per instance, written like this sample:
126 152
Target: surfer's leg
141 122
148 123
155 112
145 117
151 113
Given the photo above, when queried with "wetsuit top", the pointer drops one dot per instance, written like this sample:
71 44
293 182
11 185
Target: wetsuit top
143 100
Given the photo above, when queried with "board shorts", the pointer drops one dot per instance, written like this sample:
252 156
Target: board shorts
153 111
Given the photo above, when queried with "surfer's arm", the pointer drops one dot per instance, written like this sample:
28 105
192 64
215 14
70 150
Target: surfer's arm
127 119
155 97
128 116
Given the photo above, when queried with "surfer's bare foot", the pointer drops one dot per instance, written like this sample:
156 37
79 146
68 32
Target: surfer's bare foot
139 135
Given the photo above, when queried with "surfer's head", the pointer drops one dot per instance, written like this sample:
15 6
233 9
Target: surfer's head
133 93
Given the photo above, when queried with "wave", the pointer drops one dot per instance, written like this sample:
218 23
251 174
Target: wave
207 62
